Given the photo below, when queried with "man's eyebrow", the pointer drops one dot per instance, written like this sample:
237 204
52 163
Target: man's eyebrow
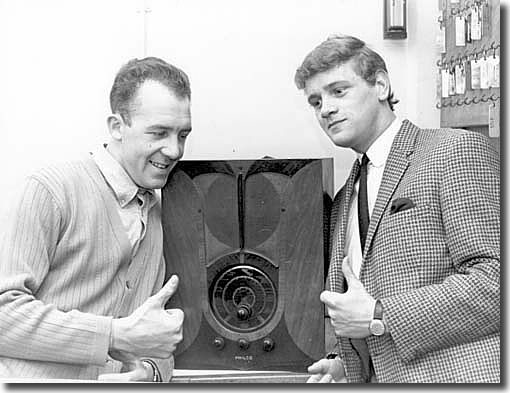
161 127
335 84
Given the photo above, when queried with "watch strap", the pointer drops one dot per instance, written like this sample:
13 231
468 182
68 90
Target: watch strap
156 376
378 310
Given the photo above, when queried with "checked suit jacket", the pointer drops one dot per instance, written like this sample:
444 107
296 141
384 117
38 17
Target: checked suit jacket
435 266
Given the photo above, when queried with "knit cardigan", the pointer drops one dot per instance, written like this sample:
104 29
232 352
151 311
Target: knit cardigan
66 270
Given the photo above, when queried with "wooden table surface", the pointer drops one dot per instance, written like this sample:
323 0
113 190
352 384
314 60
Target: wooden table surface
230 376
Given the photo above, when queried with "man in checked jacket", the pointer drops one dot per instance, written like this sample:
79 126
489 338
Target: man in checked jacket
414 275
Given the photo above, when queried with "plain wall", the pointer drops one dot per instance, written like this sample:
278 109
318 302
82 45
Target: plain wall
60 58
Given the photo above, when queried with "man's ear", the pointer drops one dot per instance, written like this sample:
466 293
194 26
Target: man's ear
115 125
382 84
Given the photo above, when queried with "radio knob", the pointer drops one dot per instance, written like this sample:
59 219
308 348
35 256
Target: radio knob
243 344
244 312
268 344
219 342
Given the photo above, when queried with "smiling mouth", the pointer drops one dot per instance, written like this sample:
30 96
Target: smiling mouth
159 165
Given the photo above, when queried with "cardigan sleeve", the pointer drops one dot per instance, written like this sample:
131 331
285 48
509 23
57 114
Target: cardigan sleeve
165 366
466 305
31 329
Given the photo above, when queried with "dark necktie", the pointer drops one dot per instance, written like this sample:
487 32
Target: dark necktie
360 345
363 215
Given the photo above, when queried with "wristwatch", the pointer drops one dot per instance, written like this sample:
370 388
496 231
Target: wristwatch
377 327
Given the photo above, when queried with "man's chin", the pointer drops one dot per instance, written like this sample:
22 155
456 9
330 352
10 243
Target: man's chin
154 184
158 185
340 142
157 180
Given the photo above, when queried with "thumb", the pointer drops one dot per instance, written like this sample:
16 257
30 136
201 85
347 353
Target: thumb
347 271
167 291
330 299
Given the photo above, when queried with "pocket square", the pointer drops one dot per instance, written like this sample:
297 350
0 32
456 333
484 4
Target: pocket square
401 204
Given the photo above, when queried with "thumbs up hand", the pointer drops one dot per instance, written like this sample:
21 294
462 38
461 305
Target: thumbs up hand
150 331
352 311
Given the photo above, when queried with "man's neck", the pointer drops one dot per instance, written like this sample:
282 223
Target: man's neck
382 124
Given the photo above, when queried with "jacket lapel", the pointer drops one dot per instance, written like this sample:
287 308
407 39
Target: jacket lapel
396 166
335 271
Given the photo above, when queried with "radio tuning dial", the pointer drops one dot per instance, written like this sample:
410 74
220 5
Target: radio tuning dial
268 344
243 297
244 312
243 343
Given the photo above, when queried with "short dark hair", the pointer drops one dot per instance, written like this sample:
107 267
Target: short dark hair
135 72
337 50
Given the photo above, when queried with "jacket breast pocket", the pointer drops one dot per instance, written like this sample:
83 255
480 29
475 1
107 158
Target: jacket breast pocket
409 246
411 216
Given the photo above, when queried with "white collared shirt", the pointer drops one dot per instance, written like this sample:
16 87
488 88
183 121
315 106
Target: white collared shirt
378 154
134 203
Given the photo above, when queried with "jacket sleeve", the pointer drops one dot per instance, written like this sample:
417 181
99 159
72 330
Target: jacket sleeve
31 329
466 305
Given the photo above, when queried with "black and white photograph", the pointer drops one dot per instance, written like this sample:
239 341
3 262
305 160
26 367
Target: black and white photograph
266 193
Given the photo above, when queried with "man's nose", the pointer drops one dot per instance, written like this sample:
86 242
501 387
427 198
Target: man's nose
172 148
328 107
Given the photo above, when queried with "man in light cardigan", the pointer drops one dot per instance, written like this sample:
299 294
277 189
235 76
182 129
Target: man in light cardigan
81 255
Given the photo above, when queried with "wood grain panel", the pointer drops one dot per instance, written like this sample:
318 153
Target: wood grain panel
303 266
183 235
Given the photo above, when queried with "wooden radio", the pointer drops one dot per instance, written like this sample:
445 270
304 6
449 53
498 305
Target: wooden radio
247 240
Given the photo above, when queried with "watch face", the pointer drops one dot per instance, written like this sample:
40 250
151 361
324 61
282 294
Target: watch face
377 327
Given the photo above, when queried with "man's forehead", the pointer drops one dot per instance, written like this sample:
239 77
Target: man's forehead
337 74
154 92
